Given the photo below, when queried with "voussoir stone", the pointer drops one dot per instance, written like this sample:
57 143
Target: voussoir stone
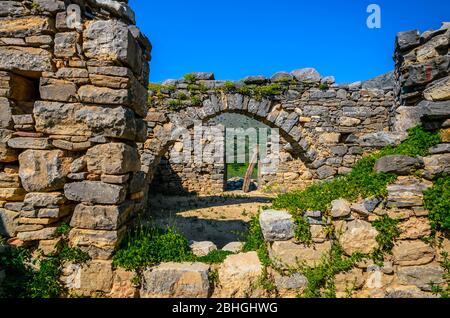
176 280
43 170
113 158
400 165
277 225
358 237
95 192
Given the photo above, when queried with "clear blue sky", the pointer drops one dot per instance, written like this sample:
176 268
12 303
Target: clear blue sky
237 38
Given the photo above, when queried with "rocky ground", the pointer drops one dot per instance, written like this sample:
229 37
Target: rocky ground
220 219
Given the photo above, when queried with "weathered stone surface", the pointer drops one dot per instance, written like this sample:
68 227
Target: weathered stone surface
11 8
233 247
287 253
112 158
306 75
24 26
340 208
122 286
415 228
5 113
117 8
57 90
439 91
8 223
95 192
79 120
111 40
66 44
103 95
47 233
176 280
25 59
440 149
406 192
89 279
382 139
436 164
29 143
407 253
359 236
435 110
43 170
406 292
238 273
101 217
9 180
400 165
281 77
406 117
351 280
421 276
276 225
98 244
44 200
203 248
407 39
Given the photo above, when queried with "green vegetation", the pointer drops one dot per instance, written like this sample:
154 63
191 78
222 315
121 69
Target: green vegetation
190 78
256 91
323 87
239 170
147 245
196 100
443 291
437 201
254 241
215 257
322 276
387 233
28 277
361 182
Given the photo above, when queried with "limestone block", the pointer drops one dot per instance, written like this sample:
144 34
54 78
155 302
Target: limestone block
176 280
43 170
113 158
95 192
421 276
287 253
400 165
359 236
27 60
277 225
101 217
407 253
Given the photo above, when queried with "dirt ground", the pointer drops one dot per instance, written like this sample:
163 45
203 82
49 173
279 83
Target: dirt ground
221 219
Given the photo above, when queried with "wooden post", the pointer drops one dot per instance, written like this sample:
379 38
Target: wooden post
249 172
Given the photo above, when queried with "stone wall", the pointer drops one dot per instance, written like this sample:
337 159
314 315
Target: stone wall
73 95
325 127
422 79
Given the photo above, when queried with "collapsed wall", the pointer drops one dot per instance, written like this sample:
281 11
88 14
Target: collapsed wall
73 95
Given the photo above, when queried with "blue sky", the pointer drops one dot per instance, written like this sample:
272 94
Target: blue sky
237 38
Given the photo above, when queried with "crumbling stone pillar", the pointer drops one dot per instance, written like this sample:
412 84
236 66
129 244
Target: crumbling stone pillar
73 95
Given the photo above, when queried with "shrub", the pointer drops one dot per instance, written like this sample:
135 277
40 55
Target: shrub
387 233
254 241
147 245
215 257
321 277
190 78
437 201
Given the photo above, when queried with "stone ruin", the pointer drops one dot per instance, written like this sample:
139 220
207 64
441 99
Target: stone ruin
78 144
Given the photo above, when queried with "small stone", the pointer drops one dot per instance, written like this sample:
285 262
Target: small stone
277 225
203 248
340 208
176 280
359 236
233 247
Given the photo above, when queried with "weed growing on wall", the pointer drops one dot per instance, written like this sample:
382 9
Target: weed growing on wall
27 277
361 182
443 291
437 201
387 232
